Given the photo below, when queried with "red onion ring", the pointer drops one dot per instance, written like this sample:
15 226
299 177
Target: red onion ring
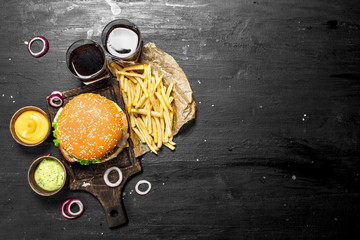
44 49
66 211
77 202
56 99
106 177
63 211
142 182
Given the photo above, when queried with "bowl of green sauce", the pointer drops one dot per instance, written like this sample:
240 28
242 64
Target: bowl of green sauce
47 175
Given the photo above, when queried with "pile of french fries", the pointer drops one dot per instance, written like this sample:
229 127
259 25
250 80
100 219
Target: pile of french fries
148 103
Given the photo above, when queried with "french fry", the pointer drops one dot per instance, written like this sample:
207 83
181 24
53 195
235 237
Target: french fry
131 74
143 87
159 134
168 91
166 100
141 102
144 112
148 117
146 135
169 146
141 126
125 85
132 120
117 67
154 103
155 131
162 125
137 94
135 67
141 137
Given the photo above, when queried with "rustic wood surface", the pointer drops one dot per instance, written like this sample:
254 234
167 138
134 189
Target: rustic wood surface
274 150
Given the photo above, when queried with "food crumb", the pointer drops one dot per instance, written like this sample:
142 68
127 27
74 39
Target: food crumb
11 96
3 95
102 233
197 159
163 184
204 140
13 101
9 59
85 184
26 42
293 177
199 81
200 102
212 105
264 177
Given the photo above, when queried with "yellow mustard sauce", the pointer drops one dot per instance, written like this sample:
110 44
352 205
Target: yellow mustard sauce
31 127
49 175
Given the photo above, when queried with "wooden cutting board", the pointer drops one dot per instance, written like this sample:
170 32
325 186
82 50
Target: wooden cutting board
90 178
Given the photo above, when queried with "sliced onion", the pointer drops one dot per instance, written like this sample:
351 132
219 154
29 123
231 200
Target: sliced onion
63 213
44 49
106 177
77 202
56 99
142 192
66 211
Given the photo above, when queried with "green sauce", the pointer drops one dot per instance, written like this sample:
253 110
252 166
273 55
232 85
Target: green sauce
49 175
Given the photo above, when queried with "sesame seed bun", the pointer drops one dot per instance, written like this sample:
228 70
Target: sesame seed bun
89 127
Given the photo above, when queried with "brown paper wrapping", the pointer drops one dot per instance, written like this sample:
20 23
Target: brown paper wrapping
184 105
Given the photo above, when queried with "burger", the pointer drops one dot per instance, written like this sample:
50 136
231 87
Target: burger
90 129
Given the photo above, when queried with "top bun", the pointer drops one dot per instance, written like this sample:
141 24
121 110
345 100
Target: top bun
90 126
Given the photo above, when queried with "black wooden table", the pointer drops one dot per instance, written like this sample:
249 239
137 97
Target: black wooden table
274 150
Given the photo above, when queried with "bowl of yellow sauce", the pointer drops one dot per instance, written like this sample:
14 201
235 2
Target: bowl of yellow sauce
47 175
30 126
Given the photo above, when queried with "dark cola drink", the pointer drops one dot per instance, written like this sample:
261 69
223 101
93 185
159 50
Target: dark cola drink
86 60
